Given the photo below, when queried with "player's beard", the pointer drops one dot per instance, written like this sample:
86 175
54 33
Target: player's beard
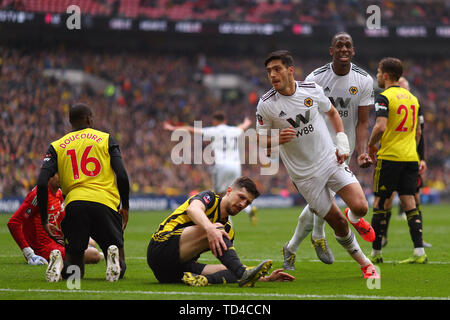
232 210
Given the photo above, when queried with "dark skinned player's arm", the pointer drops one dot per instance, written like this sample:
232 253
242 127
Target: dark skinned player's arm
123 184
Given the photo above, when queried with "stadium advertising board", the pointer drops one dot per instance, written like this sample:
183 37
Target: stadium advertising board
58 20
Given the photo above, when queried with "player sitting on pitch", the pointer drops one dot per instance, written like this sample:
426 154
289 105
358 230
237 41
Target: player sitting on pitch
201 224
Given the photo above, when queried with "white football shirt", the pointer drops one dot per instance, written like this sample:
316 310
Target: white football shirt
312 150
225 143
346 93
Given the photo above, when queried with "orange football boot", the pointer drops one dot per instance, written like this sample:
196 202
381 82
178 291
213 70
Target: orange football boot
363 227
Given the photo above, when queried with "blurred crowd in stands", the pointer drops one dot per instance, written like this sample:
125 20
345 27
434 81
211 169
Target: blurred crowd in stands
145 90
256 11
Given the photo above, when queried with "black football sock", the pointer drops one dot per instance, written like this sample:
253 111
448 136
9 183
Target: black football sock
415 227
230 259
222 277
378 223
388 218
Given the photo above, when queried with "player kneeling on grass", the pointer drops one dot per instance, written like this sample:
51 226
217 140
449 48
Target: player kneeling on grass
201 224
26 228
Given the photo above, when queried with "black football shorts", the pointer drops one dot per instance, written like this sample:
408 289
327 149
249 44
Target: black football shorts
86 219
163 257
390 176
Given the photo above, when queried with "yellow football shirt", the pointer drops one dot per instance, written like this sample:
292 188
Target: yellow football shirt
402 110
179 219
84 167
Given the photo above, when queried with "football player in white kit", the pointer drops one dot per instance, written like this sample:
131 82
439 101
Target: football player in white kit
314 163
225 145
350 89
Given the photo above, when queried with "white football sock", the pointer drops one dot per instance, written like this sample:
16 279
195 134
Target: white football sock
419 251
319 228
352 217
350 244
304 226
376 252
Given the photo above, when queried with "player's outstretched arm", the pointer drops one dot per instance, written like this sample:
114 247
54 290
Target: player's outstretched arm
278 275
170 127
245 124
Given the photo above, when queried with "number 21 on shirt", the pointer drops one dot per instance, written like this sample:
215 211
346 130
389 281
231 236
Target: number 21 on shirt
402 109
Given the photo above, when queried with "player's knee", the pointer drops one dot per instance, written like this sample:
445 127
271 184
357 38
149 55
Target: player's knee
360 208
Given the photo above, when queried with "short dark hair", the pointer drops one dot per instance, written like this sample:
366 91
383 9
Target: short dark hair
248 184
219 116
340 33
392 66
78 113
283 55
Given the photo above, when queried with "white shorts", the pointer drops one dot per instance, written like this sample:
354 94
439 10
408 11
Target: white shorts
319 191
224 175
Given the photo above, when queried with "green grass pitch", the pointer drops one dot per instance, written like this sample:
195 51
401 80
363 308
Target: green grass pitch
314 280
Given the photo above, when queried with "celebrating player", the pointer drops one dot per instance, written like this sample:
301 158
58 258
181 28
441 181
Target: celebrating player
225 144
315 165
350 89
88 162
397 164
26 228
201 224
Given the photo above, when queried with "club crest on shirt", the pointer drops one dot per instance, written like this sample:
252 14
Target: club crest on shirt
308 102
353 90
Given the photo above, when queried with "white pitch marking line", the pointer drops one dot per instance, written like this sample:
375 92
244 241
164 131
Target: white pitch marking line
266 295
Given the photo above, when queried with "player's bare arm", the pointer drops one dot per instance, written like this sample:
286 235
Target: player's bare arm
377 133
278 275
342 145
196 212
362 136
245 124
170 127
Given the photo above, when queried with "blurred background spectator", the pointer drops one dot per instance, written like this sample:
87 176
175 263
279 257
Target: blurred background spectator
145 90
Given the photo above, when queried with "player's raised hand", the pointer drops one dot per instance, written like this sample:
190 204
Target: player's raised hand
168 126
364 160
286 135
